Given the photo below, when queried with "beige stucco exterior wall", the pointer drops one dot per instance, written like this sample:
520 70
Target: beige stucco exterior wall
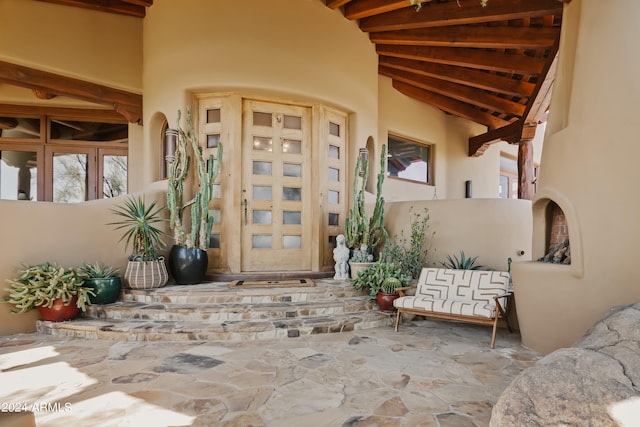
100 47
494 230
298 51
588 168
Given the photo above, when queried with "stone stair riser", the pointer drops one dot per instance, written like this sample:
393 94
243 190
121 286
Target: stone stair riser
205 335
231 314
215 312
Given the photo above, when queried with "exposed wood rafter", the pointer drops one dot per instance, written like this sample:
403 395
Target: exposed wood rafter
126 103
493 65
136 8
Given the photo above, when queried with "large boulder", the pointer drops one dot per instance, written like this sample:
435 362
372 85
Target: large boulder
594 383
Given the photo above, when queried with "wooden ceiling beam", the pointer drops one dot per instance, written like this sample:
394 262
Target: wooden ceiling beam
126 103
446 14
365 8
512 133
466 76
334 4
88 114
112 6
145 3
456 91
476 37
449 105
463 57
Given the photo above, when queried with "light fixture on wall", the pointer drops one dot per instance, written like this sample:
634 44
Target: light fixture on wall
363 153
170 144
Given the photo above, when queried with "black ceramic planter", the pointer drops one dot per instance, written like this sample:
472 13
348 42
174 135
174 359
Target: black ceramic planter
188 266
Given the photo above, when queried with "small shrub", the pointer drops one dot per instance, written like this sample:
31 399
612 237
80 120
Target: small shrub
411 254
375 276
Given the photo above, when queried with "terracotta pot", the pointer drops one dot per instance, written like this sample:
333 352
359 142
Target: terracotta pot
60 312
385 301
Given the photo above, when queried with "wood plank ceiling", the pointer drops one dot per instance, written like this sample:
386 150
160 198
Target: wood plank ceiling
493 65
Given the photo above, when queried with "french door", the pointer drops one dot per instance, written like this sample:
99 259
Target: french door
276 182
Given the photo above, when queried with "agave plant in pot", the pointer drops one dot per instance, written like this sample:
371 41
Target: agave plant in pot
57 292
188 258
146 268
104 280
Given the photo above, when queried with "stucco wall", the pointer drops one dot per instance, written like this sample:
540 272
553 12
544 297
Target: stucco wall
290 50
99 47
492 229
589 170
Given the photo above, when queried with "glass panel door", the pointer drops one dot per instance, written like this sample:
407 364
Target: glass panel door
275 188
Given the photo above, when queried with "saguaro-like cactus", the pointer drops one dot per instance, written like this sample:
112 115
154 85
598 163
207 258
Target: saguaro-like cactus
360 229
207 172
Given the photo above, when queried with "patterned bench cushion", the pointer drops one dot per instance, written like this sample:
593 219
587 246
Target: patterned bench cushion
465 308
466 292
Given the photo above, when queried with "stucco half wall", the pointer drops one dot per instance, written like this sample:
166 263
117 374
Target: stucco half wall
36 232
494 230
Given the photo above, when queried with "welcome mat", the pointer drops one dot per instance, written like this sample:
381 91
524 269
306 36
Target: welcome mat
284 283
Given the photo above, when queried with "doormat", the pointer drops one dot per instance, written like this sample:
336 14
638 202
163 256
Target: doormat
284 283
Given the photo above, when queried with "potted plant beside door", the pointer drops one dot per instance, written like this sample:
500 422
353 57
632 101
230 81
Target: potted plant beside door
363 233
188 259
146 268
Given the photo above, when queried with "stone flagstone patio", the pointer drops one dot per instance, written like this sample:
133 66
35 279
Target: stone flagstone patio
430 373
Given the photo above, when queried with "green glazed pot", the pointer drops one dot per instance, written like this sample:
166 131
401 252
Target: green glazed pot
107 290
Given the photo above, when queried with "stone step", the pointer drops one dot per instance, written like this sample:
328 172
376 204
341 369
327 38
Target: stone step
215 312
221 293
243 330
234 311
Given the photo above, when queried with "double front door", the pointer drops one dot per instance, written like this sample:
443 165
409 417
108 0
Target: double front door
276 200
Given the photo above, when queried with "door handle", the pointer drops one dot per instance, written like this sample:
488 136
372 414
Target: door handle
246 212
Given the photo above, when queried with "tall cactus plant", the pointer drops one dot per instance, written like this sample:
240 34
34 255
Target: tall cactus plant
360 229
207 172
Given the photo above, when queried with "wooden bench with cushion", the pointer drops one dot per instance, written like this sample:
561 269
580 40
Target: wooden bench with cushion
465 295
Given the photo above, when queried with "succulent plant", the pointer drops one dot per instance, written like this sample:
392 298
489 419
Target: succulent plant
140 230
361 255
390 284
208 170
359 228
98 271
375 276
464 263
41 284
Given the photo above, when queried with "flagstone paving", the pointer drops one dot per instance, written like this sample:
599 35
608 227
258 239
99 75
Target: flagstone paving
430 373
